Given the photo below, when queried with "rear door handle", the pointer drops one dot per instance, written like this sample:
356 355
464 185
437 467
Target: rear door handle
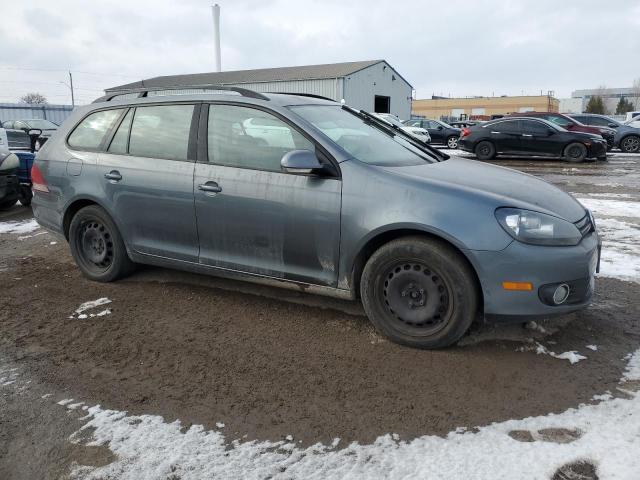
496 132
113 175
527 135
210 187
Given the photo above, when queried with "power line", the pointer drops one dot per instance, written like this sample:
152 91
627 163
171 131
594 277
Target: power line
11 67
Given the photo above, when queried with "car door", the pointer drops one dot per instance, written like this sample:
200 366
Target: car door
436 131
252 216
538 139
146 175
506 136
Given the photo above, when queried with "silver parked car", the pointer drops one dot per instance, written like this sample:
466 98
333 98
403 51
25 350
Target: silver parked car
302 192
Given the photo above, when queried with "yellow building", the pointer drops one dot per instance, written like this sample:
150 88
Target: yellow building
481 108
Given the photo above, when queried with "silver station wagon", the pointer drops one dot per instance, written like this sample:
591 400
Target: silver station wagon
302 192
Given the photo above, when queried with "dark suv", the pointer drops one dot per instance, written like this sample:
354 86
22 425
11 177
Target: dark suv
627 138
440 132
572 125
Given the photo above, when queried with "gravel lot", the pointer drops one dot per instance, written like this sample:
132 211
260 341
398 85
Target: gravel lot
270 363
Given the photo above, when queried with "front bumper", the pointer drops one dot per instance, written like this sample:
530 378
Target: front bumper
541 266
598 149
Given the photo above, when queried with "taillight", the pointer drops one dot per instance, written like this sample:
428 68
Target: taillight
465 132
37 180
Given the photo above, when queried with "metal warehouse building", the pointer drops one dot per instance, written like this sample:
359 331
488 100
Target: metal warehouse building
373 85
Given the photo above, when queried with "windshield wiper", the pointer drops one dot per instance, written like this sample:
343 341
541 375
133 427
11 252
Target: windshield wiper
395 130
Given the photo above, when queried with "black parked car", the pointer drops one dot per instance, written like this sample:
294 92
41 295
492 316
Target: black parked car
530 136
45 126
627 138
440 132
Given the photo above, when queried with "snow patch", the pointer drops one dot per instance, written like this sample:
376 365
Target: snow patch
65 401
24 226
92 304
632 372
572 356
611 208
592 347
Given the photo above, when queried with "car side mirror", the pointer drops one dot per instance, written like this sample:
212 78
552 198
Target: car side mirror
300 162
613 125
35 132
440 127
550 132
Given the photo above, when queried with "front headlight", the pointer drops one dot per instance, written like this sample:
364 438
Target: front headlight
537 228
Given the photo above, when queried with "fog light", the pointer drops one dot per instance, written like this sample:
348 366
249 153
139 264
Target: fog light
561 294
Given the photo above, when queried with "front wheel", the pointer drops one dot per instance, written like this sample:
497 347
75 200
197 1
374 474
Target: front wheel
452 142
7 204
575 152
419 292
97 247
630 144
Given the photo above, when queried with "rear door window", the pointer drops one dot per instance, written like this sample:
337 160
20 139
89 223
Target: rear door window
534 128
250 138
161 131
90 132
507 126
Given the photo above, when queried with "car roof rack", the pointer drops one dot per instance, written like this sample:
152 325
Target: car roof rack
144 91
310 95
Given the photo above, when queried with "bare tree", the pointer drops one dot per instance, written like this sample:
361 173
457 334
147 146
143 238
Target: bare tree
34 98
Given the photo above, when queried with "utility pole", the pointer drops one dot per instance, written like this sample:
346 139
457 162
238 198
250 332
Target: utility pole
215 10
73 101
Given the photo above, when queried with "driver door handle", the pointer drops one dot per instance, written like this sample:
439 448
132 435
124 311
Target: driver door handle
527 135
210 187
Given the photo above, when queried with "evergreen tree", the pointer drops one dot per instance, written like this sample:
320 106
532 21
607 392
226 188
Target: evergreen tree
623 106
595 105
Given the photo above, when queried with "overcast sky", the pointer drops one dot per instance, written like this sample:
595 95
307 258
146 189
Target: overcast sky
452 47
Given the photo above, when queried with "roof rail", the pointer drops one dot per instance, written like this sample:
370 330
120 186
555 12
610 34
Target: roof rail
143 91
311 95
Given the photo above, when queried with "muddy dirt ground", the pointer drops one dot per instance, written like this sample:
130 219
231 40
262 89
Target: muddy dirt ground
268 362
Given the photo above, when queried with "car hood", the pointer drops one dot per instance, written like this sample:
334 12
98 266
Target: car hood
506 187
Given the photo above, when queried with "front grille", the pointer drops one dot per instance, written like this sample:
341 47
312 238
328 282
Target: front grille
609 138
585 225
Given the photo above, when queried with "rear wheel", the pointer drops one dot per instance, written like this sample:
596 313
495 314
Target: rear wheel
419 292
575 152
452 142
97 247
630 144
485 150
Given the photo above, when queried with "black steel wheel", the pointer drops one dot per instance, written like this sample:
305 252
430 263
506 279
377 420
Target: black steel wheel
630 144
96 245
575 152
420 292
417 297
485 150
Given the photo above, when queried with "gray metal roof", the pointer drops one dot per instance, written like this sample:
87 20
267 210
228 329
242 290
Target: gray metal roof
306 72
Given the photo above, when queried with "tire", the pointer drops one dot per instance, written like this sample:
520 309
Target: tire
7 204
630 144
452 142
575 152
485 150
97 246
405 272
25 195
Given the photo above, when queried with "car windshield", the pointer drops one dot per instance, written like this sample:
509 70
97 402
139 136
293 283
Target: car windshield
361 139
41 124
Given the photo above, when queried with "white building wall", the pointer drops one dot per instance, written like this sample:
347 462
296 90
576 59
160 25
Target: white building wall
571 105
331 88
361 87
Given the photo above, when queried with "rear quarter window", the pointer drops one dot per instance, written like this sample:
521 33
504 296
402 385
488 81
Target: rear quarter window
90 132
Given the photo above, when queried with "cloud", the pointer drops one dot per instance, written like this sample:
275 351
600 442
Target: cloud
458 48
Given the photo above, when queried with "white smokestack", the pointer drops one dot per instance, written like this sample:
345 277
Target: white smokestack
215 10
